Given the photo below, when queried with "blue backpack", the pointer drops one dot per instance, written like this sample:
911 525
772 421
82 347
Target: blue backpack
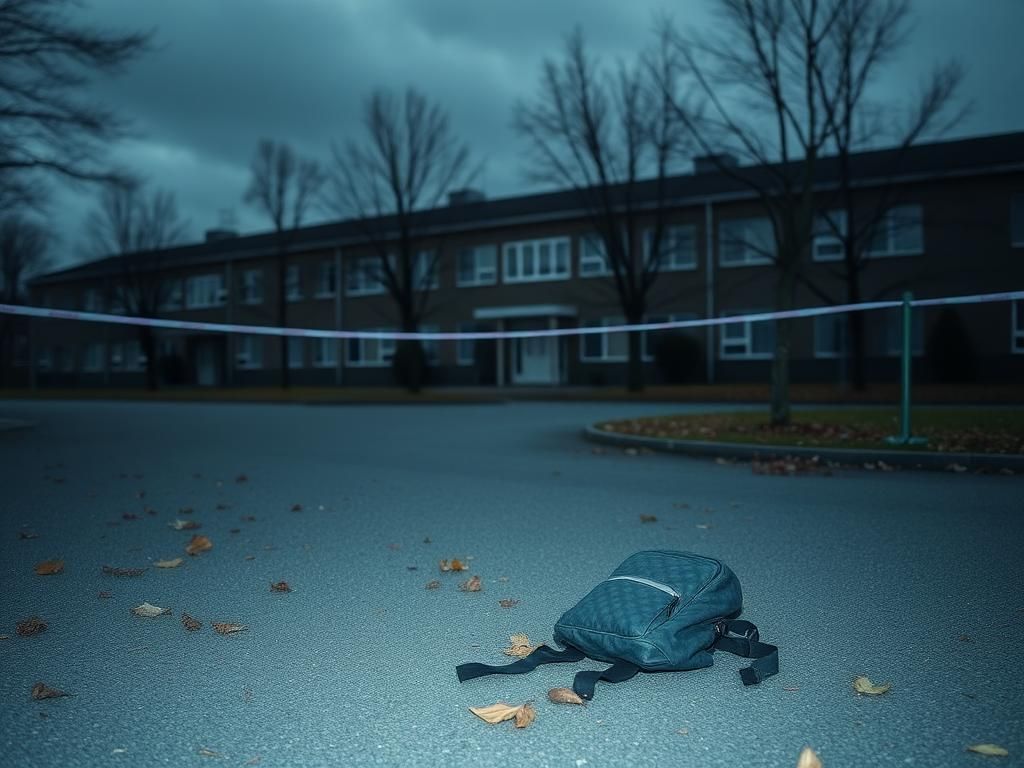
659 611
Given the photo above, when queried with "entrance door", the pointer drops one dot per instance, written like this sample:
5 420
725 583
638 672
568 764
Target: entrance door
206 364
532 361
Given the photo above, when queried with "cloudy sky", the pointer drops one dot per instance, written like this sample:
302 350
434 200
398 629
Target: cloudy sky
225 73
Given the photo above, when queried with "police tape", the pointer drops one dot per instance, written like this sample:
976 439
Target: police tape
317 333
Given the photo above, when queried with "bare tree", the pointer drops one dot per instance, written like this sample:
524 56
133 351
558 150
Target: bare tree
136 228
407 161
23 253
46 126
283 186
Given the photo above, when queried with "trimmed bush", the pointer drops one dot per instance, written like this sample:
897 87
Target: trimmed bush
950 350
679 357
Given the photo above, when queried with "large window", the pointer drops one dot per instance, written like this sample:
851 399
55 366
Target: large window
172 295
893 324
898 233
368 353
593 261
533 260
830 335
747 340
252 286
678 248
127 356
829 229
92 301
604 347
325 352
205 291
293 282
424 272
1017 326
465 349
94 357
477 266
745 242
249 352
1017 220
296 351
651 338
327 280
364 277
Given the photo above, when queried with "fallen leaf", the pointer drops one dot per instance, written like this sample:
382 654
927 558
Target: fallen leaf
648 518
863 685
791 688
222 628
472 585
808 759
49 567
222 506
184 525
427 540
250 557
31 626
564 696
280 586
148 611
248 518
241 479
129 516
526 715
150 511
110 571
204 752
5 637
497 713
520 646
954 467
27 535
105 595
186 511
454 565
704 526
173 563
631 452
506 603
198 544
992 750
296 507
435 584
235 530
192 625
43 691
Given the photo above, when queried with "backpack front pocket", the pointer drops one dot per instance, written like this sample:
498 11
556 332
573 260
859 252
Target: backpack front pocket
628 606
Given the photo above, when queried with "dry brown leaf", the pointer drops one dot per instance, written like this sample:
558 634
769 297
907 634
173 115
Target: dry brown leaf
184 525
507 603
496 713
31 626
280 586
435 584
172 563
808 759
43 691
198 544
992 750
296 507
222 628
526 715
122 571
49 567
472 585
520 647
454 565
241 479
204 752
648 518
27 535
192 625
221 506
564 696
149 611
865 686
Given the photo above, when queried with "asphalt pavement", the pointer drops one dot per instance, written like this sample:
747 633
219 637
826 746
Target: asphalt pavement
906 577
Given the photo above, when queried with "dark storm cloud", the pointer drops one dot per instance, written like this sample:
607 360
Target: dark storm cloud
225 73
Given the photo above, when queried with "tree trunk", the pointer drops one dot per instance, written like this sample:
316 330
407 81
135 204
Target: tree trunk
855 336
784 300
635 366
409 364
282 317
149 350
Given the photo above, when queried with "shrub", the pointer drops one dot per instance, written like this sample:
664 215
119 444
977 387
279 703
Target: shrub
679 357
949 349
409 365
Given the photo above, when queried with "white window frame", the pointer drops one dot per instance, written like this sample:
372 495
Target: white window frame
1017 326
249 353
325 352
648 354
293 282
252 286
672 237
593 259
605 356
889 223
358 279
1017 220
212 285
514 254
741 333
827 354
173 295
296 344
326 280
461 345
751 256
483 274
894 342
94 360
384 351
825 237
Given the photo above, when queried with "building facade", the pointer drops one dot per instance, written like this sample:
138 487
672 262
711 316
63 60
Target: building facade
952 224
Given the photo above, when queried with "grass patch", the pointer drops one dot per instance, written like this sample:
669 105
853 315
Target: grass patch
975 430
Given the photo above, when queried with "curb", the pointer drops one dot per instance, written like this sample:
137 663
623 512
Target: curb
858 457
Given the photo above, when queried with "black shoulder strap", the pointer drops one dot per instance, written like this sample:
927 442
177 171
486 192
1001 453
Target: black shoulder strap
742 638
541 655
584 682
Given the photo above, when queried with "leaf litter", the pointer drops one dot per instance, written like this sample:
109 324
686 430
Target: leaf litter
454 565
42 691
225 628
524 714
520 647
149 611
111 571
49 567
808 759
564 696
31 626
184 525
191 624
991 750
472 585
172 563
280 586
198 544
864 685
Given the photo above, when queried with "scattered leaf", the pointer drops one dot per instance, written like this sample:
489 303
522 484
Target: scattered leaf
222 506
222 628
992 750
808 759
564 696
173 563
184 525
472 585
204 752
192 625
186 511
965 639
454 565
198 544
5 637
129 516
863 685
520 646
49 567
497 713
412 567
435 584
149 611
110 571
526 715
427 540
43 691
954 467
683 731
105 595
791 688
150 511
250 557
296 507
31 626
27 535
648 518
248 518
631 452
507 603
235 530
280 586
241 479
704 526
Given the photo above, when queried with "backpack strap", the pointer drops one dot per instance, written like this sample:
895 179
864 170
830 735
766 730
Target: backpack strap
742 638
584 682
541 655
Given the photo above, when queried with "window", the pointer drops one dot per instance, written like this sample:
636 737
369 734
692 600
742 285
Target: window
249 352
66 355
477 266
1017 220
364 277
325 352
604 347
649 343
127 356
678 248
252 286
424 271
94 361
830 335
747 340
367 353
430 348
293 282
533 260
897 233
205 291
893 319
45 359
745 242
327 282
593 261
92 301
1017 326
296 351
171 295
465 349
119 300
827 244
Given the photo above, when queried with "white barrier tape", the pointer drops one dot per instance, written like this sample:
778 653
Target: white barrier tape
264 330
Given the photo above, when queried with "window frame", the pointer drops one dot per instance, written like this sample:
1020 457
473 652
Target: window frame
290 283
247 345
321 361
592 251
605 338
173 295
292 343
219 294
253 287
475 252
515 251
380 360
671 232
1017 232
887 220
823 235
364 288
326 280
751 257
99 365
820 354
747 337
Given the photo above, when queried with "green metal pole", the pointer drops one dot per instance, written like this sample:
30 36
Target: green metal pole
905 438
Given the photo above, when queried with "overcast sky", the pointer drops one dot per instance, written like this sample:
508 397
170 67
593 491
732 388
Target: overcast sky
225 73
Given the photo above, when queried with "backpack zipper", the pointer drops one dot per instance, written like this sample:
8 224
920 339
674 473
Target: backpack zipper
656 584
